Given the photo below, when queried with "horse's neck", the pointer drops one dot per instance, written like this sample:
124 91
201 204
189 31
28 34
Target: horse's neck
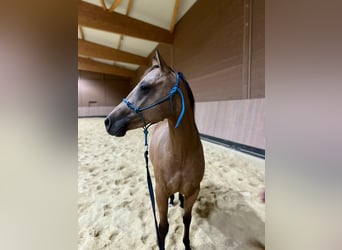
186 136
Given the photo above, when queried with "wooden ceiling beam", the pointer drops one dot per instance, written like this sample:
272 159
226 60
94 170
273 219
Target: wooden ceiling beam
91 65
91 49
93 16
174 16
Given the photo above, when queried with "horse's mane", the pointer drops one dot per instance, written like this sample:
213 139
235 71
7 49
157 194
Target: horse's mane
189 91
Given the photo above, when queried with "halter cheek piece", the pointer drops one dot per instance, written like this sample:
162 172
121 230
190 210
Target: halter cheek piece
175 89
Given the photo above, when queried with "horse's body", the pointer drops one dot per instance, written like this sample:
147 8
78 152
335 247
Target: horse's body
176 153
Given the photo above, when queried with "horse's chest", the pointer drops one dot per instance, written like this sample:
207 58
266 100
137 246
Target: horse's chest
176 169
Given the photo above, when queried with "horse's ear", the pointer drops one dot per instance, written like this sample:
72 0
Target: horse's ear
155 61
158 60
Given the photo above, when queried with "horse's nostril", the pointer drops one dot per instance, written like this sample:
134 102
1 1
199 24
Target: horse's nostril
107 123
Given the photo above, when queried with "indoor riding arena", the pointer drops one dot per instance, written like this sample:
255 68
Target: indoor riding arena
219 47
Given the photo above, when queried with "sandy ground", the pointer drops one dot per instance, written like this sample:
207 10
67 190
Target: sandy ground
114 207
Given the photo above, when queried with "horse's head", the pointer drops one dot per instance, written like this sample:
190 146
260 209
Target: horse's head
155 85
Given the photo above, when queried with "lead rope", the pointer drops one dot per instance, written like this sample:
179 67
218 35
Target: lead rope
150 188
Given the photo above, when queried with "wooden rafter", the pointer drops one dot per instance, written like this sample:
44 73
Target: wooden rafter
94 17
174 16
129 7
81 31
120 41
103 5
91 65
115 4
91 49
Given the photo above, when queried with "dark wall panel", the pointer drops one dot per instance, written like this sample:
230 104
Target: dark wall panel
105 90
258 50
208 48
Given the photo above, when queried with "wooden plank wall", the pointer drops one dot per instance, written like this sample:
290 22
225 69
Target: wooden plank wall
211 50
241 121
258 50
105 90
208 49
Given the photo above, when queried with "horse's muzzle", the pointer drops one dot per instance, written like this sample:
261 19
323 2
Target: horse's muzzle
117 127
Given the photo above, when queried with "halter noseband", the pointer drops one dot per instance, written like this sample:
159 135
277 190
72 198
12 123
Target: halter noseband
175 89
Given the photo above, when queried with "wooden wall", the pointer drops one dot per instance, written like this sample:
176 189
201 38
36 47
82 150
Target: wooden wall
224 62
258 50
220 47
98 94
241 121
208 49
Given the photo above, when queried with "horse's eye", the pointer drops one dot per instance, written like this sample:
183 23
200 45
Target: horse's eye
144 87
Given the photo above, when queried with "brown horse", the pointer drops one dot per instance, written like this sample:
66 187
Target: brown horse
175 148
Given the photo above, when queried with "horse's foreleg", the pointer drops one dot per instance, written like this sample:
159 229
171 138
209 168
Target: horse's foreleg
181 199
162 202
172 198
188 204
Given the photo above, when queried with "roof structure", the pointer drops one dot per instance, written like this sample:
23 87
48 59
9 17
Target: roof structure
117 36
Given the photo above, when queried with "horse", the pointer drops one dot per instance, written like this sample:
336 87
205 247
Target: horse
176 150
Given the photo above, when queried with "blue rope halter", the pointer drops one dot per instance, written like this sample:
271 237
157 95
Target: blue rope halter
175 89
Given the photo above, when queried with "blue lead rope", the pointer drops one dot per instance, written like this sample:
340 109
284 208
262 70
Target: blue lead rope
175 89
150 189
